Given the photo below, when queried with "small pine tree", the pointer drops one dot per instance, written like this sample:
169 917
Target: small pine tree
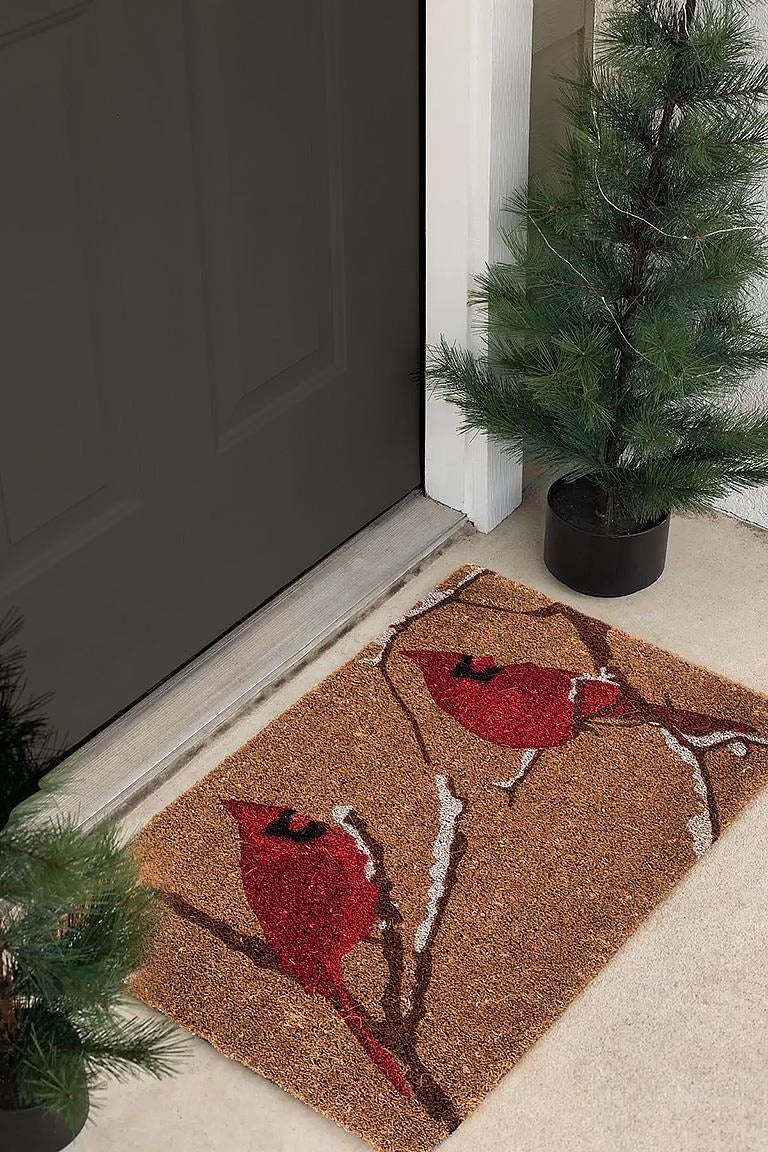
73 925
27 748
621 327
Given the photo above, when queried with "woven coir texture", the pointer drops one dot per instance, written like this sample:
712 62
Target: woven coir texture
384 898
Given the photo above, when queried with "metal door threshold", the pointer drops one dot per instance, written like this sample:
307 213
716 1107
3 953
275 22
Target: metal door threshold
151 739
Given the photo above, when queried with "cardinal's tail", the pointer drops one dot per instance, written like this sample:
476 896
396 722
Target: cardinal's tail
382 1058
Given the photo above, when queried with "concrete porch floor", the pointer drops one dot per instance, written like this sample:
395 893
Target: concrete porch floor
667 1049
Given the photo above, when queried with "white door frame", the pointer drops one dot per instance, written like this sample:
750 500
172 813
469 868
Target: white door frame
478 72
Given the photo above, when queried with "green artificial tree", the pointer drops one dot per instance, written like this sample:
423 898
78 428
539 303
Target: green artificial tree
621 326
27 750
74 922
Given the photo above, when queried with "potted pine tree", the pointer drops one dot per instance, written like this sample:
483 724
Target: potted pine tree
620 328
73 923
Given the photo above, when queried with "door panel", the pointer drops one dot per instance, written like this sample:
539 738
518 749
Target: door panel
260 241
210 316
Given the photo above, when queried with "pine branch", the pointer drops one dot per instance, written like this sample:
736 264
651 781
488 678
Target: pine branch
27 747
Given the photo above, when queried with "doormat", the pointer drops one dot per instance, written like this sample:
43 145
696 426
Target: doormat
384 898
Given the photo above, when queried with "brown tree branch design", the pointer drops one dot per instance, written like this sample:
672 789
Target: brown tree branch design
638 710
434 600
397 1030
594 635
391 925
250 946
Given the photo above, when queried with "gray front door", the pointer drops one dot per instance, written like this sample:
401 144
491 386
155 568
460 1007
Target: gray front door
209 271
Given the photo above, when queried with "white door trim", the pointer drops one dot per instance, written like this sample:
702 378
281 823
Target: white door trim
478 71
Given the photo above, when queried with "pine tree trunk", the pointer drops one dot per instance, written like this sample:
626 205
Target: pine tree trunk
609 509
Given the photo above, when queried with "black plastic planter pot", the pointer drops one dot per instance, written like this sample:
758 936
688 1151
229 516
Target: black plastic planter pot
35 1130
602 565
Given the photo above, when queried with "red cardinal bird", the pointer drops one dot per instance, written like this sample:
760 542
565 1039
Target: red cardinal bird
519 705
308 885
526 706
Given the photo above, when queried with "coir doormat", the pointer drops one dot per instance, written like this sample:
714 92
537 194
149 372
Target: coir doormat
384 898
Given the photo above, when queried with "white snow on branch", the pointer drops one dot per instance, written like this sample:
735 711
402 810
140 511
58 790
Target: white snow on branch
723 737
602 677
341 814
431 600
450 810
689 757
700 829
526 760
700 825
